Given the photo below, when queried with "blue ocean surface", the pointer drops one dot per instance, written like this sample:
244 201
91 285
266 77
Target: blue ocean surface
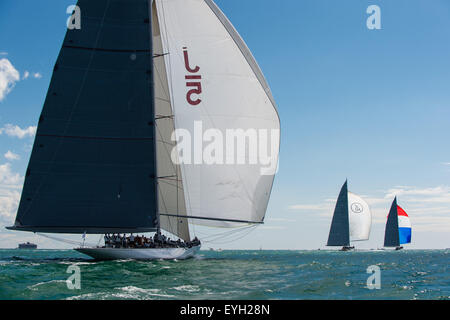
254 275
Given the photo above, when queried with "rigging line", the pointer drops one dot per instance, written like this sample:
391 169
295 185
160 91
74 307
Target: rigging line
233 240
153 111
162 198
99 240
165 41
212 219
160 79
167 177
237 237
72 109
162 99
167 94
182 187
156 125
160 117
64 240
164 143
160 55
171 184
165 207
227 233
168 71
227 230
163 85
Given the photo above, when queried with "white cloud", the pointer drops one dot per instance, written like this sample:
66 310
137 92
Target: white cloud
428 208
11 156
9 202
8 178
280 220
35 75
16 131
440 194
8 77
271 228
309 207
10 188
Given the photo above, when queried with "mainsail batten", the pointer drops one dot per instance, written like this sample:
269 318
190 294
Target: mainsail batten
216 82
92 167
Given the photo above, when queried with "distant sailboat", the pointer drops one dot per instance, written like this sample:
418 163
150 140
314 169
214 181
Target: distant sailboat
352 220
102 157
398 227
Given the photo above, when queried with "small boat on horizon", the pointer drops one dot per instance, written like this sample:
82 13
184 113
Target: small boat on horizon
352 220
27 245
398 228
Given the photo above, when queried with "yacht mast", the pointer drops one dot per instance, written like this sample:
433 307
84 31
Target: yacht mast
153 116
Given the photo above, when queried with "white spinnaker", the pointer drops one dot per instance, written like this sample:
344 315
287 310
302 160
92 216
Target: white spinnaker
360 218
234 96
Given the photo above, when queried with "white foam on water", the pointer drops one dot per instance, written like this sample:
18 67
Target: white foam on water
132 291
187 288
34 287
95 296
77 263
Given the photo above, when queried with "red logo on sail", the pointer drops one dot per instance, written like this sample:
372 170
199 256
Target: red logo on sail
193 81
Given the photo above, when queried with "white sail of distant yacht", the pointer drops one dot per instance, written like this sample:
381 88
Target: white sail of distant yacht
102 160
352 220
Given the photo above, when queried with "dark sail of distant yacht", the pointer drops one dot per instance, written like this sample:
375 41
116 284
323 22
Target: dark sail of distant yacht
352 220
136 71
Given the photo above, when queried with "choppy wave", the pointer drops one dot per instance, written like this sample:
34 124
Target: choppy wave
411 274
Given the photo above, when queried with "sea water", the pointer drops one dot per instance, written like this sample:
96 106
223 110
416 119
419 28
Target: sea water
254 275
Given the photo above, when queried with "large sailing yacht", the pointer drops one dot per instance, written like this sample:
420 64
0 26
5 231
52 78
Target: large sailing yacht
134 73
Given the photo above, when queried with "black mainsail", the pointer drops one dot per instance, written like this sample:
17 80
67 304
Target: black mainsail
93 164
391 236
340 231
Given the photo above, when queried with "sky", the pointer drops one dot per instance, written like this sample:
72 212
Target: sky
370 106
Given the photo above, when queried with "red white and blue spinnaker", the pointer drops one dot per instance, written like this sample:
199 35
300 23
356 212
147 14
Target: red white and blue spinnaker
404 226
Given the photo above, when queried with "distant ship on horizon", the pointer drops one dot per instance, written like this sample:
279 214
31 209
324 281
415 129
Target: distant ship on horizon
27 245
